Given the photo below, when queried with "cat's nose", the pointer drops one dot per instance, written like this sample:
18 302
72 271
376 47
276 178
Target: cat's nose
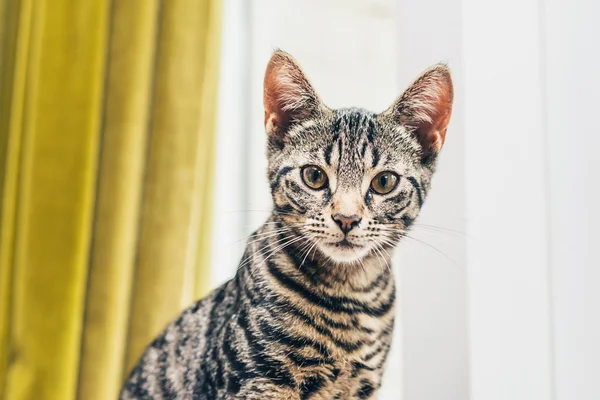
345 222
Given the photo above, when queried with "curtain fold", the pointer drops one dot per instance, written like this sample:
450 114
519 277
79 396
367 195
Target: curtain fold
107 124
59 132
131 59
166 271
16 17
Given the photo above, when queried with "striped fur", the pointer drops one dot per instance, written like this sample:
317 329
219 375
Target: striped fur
310 312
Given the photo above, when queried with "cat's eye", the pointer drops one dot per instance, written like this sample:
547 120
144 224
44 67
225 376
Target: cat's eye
314 177
384 182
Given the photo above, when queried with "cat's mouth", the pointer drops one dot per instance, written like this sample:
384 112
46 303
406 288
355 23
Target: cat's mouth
344 250
344 244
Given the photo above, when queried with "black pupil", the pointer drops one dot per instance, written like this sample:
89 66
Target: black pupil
315 175
383 181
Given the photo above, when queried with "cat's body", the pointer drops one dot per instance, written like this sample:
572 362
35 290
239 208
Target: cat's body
273 332
310 312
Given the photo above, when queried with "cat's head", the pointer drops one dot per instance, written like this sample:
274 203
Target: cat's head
350 181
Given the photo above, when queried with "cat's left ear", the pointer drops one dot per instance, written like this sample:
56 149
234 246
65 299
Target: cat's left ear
289 97
426 107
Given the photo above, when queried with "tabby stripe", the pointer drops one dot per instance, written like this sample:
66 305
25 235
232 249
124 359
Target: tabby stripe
313 278
213 312
331 303
202 374
205 384
346 327
366 389
340 144
163 380
311 268
335 374
389 329
349 122
219 375
423 186
416 185
401 196
295 188
336 128
239 367
408 221
327 153
368 198
404 207
373 353
289 308
292 252
303 291
296 341
299 209
206 388
252 294
392 215
375 157
301 361
137 383
375 283
187 382
281 173
267 366
284 209
384 358
326 195
311 386
233 384
357 366
363 150
370 131
285 308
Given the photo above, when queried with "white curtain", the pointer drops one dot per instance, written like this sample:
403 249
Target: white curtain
532 194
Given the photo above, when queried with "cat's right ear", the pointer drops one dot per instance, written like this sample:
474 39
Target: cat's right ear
288 96
425 107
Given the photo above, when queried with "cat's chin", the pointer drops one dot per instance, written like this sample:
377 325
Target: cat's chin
344 253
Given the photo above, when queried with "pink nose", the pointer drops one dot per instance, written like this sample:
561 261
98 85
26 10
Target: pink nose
345 222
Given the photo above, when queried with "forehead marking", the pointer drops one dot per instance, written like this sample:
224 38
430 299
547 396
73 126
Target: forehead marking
353 132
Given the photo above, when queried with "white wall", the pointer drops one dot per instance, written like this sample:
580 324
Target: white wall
532 140
572 90
433 291
506 201
230 217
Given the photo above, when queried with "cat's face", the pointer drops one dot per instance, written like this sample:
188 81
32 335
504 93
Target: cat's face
350 182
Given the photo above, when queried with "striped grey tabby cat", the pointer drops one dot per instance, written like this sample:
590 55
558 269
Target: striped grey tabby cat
310 312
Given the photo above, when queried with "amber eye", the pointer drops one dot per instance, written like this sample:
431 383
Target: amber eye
384 182
314 177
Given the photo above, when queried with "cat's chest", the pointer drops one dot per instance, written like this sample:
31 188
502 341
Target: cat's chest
354 368
345 379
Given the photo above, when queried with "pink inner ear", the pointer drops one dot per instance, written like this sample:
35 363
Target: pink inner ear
432 134
273 111
278 99
288 96
427 106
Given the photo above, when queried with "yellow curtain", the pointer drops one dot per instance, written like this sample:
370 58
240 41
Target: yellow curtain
107 124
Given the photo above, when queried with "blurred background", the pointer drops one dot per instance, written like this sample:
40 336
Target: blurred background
132 169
